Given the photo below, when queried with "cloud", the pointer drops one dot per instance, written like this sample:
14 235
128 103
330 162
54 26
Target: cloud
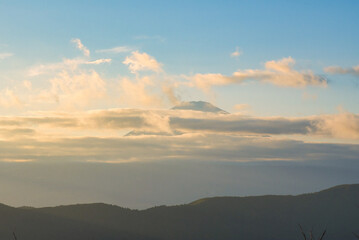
118 49
339 70
147 91
137 92
27 84
9 133
66 64
343 125
236 53
5 55
162 135
81 47
9 99
77 89
142 62
280 73
241 107
241 124
200 147
99 61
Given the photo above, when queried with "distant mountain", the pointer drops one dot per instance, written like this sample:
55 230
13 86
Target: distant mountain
199 106
256 218
193 105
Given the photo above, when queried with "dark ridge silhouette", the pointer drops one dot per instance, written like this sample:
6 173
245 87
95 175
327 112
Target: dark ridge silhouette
257 218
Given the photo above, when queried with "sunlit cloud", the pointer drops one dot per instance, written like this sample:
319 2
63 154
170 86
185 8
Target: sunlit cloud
9 99
77 89
136 92
9 160
142 62
147 91
81 47
118 49
66 64
339 70
236 53
280 73
343 125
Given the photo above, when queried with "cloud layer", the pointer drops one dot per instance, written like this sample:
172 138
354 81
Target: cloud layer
175 134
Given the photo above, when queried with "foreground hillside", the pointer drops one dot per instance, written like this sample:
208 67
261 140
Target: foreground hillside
256 218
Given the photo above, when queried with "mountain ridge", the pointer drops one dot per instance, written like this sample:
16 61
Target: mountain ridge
277 217
201 106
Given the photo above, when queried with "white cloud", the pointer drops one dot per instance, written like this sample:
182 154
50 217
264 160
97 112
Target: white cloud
81 47
142 62
280 73
118 49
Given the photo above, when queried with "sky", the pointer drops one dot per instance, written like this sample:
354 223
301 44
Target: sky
87 90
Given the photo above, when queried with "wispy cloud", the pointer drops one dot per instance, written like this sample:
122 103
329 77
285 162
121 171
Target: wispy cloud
118 49
236 53
66 64
339 70
81 47
5 55
280 73
99 61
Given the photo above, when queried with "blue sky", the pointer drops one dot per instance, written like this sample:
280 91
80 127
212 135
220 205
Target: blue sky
76 76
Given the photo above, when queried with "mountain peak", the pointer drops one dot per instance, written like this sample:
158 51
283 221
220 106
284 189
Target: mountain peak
199 106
